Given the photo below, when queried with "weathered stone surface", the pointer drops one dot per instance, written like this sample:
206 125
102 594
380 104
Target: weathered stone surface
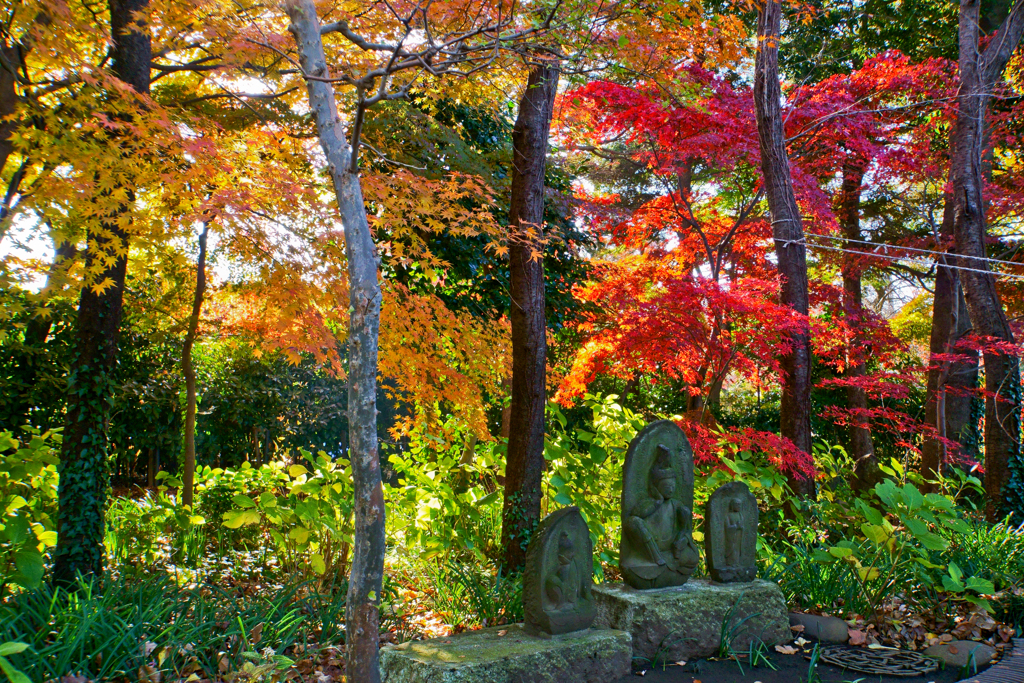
657 547
558 576
823 629
958 653
484 656
685 622
730 534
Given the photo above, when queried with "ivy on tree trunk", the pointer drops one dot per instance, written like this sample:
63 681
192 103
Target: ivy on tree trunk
524 465
84 477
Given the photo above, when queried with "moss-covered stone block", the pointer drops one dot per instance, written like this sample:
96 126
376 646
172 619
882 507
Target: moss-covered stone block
686 622
590 656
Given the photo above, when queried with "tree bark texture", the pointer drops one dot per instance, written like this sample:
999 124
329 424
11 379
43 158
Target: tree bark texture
947 411
362 614
84 476
189 371
865 465
524 464
788 232
979 75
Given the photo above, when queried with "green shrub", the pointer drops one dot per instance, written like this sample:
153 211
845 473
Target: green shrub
28 506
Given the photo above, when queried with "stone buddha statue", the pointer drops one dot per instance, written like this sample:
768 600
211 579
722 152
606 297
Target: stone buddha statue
559 573
657 547
730 534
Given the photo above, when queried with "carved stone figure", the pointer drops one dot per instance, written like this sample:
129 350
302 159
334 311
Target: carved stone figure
730 534
657 547
558 576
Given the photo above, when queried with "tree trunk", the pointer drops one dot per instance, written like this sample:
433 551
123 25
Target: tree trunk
84 476
187 369
979 74
524 464
362 615
788 231
865 465
947 412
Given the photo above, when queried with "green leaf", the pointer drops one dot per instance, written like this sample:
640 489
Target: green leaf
871 514
933 541
317 562
268 500
623 41
916 526
912 496
16 529
8 649
243 501
296 471
563 499
956 524
875 533
840 552
30 565
299 534
236 518
955 571
952 585
979 585
12 673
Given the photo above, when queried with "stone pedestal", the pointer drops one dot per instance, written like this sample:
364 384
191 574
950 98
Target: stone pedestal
591 656
686 622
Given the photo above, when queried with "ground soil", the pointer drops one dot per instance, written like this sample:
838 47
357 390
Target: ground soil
790 669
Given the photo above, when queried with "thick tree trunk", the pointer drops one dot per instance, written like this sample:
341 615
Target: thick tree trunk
524 465
187 369
979 74
865 465
788 231
362 613
84 476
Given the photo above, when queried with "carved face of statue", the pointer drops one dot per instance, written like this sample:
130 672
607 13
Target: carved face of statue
665 486
734 505
566 550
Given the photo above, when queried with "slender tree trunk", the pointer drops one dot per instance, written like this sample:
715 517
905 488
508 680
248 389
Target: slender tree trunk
84 475
865 465
187 369
979 74
788 231
362 614
524 465
947 412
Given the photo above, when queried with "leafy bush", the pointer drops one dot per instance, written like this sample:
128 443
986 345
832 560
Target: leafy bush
28 505
467 595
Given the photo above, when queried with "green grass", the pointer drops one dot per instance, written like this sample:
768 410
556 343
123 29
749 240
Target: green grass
468 595
131 623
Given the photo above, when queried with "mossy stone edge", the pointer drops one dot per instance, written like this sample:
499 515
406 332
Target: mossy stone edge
591 656
685 622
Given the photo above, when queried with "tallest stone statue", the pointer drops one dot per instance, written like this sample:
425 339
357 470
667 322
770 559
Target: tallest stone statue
657 547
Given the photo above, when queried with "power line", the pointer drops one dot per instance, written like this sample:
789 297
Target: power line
917 260
921 251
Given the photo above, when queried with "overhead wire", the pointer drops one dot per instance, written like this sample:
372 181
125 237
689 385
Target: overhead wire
918 260
894 247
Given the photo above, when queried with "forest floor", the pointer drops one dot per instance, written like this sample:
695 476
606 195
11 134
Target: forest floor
788 669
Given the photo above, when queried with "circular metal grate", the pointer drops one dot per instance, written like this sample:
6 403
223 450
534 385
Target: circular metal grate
882 662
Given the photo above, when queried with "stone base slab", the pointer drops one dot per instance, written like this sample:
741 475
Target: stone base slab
484 656
685 622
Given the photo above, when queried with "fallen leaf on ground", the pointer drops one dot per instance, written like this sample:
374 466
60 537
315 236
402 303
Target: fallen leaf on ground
857 637
783 649
502 632
681 662
953 649
799 628
801 641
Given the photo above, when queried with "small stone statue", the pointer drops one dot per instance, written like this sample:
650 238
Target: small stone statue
730 534
657 547
558 576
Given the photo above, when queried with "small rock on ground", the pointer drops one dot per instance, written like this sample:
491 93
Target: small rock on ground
958 653
822 629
